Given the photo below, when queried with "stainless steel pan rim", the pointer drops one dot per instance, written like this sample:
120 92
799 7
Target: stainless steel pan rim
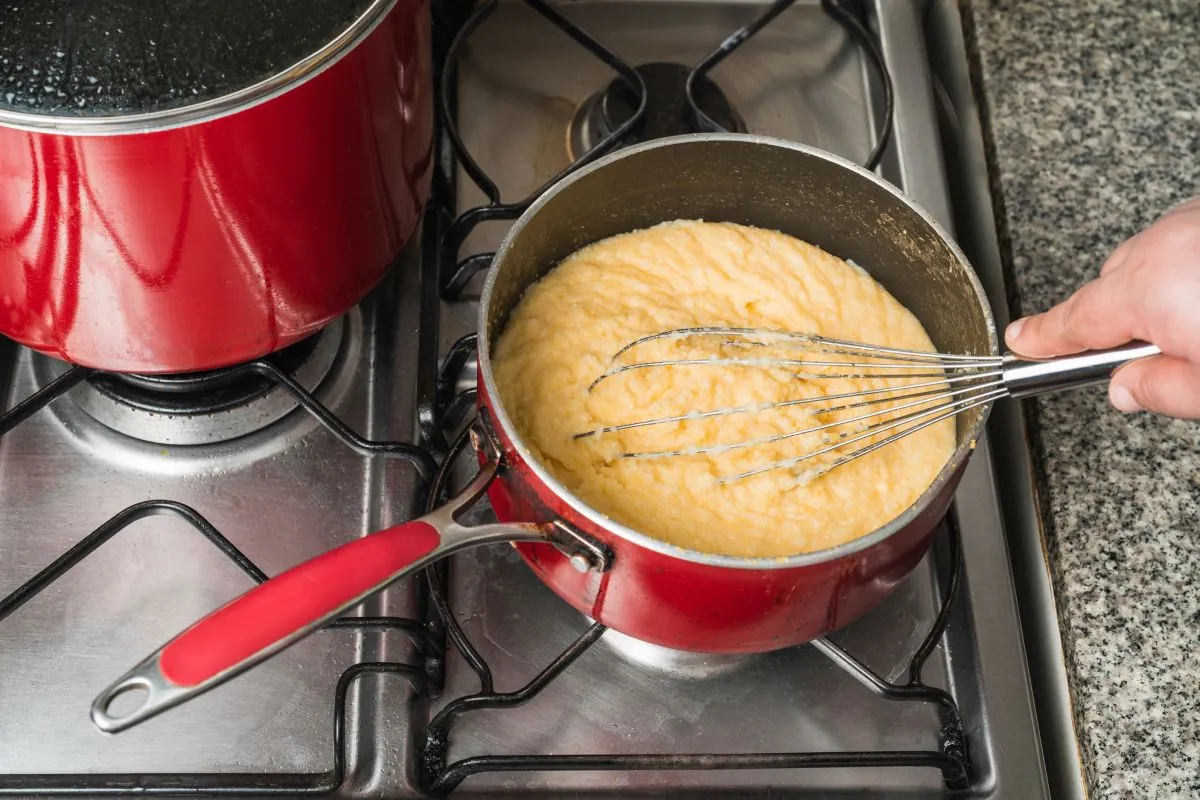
247 97
961 453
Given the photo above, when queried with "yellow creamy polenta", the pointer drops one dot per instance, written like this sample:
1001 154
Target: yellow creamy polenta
568 326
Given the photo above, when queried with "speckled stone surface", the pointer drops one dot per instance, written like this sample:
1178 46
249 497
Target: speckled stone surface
1094 114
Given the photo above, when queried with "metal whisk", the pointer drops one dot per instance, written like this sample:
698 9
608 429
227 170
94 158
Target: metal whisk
945 385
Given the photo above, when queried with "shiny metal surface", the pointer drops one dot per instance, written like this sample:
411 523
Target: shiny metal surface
158 693
211 427
608 702
1024 378
291 491
965 156
281 495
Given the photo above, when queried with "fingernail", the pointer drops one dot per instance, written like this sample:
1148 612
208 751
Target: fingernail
1122 398
1014 330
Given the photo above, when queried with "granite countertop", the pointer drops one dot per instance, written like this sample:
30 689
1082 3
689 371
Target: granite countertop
1094 116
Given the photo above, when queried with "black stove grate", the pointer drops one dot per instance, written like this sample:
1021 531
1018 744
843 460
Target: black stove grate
425 635
460 272
265 369
441 777
441 408
454 274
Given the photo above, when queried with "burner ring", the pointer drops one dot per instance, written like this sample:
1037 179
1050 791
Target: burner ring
668 112
209 407
202 392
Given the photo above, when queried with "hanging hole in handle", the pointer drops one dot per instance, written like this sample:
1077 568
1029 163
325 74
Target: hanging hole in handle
126 700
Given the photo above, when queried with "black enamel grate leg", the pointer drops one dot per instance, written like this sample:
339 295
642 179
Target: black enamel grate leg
421 635
952 738
854 28
858 32
459 274
42 397
437 776
139 511
731 43
426 637
421 460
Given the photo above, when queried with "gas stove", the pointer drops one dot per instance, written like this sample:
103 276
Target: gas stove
130 506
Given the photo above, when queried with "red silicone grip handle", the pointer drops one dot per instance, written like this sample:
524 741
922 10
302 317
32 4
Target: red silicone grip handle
293 600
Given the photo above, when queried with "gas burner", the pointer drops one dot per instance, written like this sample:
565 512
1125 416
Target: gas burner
192 393
208 407
678 663
668 112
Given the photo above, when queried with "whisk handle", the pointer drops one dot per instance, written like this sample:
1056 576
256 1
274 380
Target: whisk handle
1026 378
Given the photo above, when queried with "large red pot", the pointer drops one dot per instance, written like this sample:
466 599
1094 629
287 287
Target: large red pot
197 237
637 585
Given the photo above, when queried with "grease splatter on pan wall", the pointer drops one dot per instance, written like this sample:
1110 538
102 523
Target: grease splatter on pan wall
113 57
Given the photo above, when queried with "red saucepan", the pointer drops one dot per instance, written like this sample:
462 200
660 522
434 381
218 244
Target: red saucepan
197 236
635 584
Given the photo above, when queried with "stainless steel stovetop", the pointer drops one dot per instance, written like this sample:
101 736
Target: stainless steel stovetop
281 486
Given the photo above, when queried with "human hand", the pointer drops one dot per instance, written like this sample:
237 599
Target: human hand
1148 289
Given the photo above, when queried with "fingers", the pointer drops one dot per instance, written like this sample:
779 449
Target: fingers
1101 314
1167 385
1034 345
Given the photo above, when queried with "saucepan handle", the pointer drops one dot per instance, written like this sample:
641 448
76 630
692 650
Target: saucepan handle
288 607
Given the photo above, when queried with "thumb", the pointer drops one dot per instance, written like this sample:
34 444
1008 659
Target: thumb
1102 313
1167 385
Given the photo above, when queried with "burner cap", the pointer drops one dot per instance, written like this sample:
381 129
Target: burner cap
668 112
199 408
200 392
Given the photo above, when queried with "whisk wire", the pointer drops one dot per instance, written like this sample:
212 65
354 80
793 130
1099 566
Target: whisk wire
768 406
811 339
951 396
775 363
889 361
938 414
935 387
948 385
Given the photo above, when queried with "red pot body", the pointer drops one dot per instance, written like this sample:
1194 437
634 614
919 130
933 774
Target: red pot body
686 600
684 604
205 245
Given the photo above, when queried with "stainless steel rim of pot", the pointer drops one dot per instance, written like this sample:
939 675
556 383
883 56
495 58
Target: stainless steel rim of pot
967 437
208 110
